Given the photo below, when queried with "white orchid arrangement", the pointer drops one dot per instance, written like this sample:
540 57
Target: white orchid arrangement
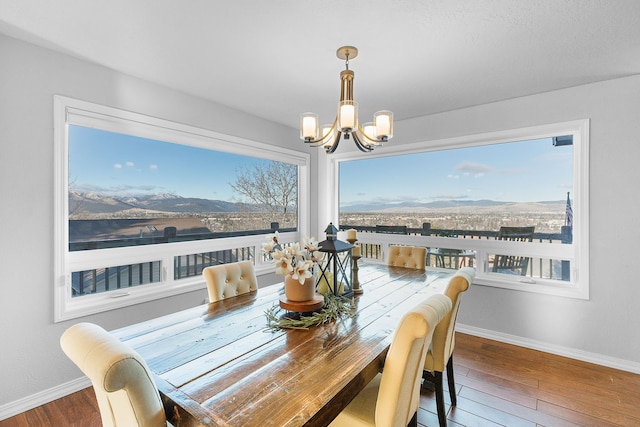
295 259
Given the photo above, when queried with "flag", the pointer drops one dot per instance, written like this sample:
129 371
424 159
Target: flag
568 218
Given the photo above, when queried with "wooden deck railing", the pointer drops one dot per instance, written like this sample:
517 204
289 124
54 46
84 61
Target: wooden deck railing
111 278
538 267
426 230
191 265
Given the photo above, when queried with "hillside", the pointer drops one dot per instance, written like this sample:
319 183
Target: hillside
459 207
89 204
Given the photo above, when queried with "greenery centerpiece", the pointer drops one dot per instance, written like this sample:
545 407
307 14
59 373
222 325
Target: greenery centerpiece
335 307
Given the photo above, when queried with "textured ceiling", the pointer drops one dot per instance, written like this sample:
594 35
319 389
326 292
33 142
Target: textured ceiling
276 59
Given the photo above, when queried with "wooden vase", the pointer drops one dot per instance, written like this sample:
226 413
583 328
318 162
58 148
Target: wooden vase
294 291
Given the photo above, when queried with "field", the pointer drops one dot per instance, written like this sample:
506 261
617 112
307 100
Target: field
547 218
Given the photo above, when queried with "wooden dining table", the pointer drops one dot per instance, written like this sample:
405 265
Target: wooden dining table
220 365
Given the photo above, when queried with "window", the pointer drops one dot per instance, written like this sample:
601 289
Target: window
143 205
511 204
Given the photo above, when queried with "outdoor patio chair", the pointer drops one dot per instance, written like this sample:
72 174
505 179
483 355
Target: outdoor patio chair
513 264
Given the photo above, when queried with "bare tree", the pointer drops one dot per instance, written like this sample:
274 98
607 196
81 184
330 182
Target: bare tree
271 186
76 199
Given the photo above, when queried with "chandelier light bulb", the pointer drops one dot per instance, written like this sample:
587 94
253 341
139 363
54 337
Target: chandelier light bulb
383 121
309 126
347 116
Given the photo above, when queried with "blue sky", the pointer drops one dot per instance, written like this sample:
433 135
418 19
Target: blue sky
518 171
110 163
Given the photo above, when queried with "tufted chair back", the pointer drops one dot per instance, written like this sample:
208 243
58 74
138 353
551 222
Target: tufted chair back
408 257
444 335
229 280
440 354
399 395
392 398
126 393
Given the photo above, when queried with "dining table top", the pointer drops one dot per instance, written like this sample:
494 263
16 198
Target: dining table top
219 364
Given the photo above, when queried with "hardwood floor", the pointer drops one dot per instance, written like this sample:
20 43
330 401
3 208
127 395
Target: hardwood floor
497 385
79 409
504 385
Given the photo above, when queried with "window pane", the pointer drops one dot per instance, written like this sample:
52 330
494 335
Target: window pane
191 265
126 190
537 268
450 258
158 201
465 192
113 278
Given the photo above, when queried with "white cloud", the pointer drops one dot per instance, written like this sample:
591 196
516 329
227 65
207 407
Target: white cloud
117 166
449 196
120 190
130 164
474 168
153 167
479 170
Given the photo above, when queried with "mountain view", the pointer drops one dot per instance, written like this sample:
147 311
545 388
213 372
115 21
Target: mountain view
85 204
99 217
468 206
93 215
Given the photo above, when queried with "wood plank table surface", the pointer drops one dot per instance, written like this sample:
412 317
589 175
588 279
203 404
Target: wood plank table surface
218 364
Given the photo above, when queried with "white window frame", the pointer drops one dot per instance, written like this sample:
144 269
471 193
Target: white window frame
72 111
577 252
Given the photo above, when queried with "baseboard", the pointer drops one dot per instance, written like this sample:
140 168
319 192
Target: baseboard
16 407
598 359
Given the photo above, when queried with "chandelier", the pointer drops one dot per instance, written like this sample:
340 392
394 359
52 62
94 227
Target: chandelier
366 137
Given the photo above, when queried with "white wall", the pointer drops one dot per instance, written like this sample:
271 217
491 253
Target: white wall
30 357
607 324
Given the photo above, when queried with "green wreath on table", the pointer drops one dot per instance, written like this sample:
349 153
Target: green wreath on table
335 307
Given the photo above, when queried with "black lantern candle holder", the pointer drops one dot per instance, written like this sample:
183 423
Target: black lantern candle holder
335 270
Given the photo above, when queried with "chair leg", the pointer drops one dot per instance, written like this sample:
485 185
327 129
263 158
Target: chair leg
442 415
434 379
413 422
451 382
429 381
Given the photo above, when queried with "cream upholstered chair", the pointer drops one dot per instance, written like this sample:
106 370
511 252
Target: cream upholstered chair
408 257
229 280
392 398
440 353
126 393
